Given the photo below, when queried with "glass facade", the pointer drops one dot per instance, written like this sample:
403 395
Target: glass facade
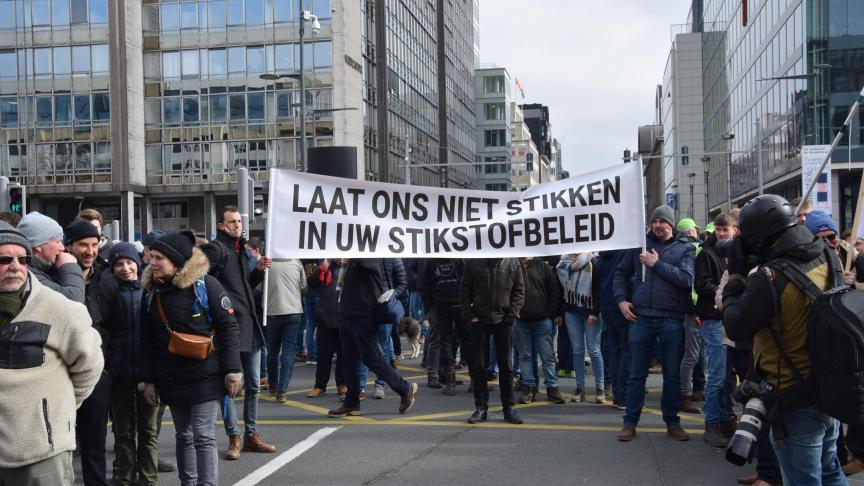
207 111
55 108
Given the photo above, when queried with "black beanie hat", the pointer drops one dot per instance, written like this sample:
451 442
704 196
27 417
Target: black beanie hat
123 250
152 236
176 246
78 230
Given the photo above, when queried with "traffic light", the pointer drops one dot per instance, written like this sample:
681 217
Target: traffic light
17 199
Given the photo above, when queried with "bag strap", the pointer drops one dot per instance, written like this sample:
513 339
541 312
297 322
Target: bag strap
161 311
775 298
202 300
798 278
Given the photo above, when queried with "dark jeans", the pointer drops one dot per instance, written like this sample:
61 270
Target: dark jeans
135 437
281 333
445 324
328 345
479 335
565 354
360 345
855 440
92 430
397 342
643 334
617 336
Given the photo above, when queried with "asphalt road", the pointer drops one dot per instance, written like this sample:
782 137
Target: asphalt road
433 445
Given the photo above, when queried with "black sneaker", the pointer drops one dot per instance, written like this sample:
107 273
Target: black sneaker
450 389
434 382
478 416
408 399
344 411
164 466
527 395
554 395
512 416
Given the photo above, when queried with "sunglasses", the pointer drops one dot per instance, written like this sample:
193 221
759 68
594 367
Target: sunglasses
23 260
830 237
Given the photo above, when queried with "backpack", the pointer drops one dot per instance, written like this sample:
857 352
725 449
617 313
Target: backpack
835 338
202 300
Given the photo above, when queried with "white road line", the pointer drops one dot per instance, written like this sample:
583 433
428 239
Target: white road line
286 457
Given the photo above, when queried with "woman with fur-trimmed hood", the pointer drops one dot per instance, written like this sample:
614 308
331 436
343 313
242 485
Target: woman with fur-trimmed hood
191 387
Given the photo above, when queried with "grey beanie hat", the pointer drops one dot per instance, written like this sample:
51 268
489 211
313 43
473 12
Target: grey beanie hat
39 229
10 236
665 213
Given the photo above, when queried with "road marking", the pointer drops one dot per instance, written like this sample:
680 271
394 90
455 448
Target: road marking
313 408
466 413
286 457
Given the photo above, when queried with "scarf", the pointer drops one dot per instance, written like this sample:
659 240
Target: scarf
575 277
11 304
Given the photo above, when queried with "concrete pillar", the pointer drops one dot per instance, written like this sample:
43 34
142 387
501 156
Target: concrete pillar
210 214
127 216
146 215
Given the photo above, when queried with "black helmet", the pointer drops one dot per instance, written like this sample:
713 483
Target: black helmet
762 219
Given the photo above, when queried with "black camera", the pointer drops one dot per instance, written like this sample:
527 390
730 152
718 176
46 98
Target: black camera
742 446
731 249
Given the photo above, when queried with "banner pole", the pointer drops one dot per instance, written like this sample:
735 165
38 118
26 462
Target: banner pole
267 241
642 206
856 226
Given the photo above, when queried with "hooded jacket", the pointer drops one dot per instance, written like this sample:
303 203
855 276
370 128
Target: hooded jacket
229 263
121 303
328 282
542 292
181 380
67 279
748 311
438 281
709 269
492 290
666 291
50 361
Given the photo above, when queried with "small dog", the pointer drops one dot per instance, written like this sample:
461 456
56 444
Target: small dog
410 328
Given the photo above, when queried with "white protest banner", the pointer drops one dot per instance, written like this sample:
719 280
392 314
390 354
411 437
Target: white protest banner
811 158
314 216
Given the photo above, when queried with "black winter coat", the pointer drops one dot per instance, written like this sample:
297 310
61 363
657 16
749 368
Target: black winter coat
327 310
179 380
492 290
121 314
709 270
395 278
438 281
362 285
67 279
543 292
229 263
101 284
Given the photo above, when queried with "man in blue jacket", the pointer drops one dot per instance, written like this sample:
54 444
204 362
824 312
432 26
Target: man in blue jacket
656 305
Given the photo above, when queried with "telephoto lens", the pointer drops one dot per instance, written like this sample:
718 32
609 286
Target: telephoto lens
742 447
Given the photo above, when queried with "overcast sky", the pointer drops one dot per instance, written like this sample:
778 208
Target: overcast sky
594 63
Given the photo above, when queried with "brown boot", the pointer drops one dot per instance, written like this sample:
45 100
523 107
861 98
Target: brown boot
253 443
677 433
233 448
854 466
688 406
749 479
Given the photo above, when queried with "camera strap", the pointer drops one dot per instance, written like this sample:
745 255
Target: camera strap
775 298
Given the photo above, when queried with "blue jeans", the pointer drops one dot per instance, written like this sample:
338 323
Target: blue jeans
360 345
643 336
808 453
197 458
415 306
517 359
711 334
251 363
617 337
310 301
281 335
386 344
536 337
581 333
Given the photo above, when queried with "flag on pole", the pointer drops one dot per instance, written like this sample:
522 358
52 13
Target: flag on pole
519 87
744 13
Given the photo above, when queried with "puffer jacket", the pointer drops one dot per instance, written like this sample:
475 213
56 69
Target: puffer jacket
395 277
492 290
121 314
709 269
542 292
666 290
180 380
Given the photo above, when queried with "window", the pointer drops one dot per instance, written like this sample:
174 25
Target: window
43 110
171 109
7 14
254 12
83 160
255 61
63 156
82 108
189 16
170 17
238 107
323 54
256 106
62 61
101 107
284 58
235 13
79 12
218 64
98 11
102 156
283 104
190 109
99 53
218 108
42 62
495 138
8 112
152 66
190 63
216 14
62 109
152 112
171 65
284 11
237 60
41 13
493 84
494 111
81 60
321 8
7 65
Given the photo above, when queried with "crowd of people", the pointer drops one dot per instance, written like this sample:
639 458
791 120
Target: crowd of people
101 329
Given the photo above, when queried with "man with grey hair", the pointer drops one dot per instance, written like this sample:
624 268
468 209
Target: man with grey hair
54 363
51 265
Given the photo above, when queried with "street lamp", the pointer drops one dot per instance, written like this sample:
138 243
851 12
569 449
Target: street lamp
817 70
729 137
705 161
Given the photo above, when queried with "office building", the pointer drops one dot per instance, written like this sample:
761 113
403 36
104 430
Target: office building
492 92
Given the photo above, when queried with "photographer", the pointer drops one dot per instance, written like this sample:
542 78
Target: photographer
803 437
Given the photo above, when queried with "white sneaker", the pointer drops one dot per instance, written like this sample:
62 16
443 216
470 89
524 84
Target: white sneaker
600 397
379 392
578 395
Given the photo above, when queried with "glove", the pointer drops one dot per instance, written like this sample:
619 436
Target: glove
741 265
149 392
233 383
510 320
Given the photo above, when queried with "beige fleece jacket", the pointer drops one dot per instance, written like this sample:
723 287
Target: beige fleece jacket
38 403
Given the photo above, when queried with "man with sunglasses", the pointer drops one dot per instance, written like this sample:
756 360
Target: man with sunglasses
820 224
55 365
54 268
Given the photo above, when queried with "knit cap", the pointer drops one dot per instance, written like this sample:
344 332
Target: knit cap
665 213
177 247
10 236
78 230
152 236
39 229
819 220
123 249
